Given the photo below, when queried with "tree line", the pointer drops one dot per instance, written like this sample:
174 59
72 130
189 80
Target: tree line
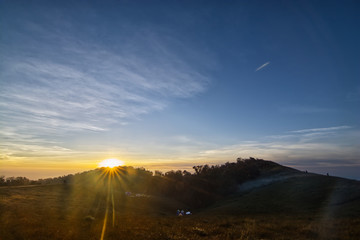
200 188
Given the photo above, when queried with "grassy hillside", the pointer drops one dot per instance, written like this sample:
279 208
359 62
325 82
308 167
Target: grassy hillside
302 205
274 202
295 194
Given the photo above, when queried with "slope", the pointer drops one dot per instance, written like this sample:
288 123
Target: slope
294 193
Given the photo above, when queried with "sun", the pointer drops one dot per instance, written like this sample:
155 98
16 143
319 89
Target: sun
111 163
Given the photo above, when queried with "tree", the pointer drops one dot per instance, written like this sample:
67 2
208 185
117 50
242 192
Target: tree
2 179
158 173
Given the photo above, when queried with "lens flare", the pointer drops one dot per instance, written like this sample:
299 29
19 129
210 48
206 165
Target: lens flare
111 163
109 174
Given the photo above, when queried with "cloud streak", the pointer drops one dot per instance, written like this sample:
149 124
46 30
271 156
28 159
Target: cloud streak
315 130
88 87
262 66
320 146
60 83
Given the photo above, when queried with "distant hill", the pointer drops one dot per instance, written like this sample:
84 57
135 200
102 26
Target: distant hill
245 186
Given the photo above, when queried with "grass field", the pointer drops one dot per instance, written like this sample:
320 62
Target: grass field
83 212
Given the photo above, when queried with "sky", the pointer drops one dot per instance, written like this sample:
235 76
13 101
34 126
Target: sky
172 84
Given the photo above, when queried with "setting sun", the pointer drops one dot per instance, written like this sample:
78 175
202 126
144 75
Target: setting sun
110 163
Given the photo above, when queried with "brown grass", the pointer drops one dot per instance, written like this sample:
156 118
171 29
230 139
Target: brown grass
70 212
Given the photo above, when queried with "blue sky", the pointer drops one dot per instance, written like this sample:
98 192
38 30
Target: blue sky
171 84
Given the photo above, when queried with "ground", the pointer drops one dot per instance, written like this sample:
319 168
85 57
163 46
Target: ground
72 212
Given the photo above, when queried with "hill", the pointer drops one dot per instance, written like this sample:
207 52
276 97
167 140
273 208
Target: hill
248 199
297 193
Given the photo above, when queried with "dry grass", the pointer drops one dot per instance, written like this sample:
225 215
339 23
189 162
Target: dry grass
70 212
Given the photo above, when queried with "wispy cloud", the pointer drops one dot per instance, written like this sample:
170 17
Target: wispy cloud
297 109
330 146
88 87
262 66
318 145
60 83
327 129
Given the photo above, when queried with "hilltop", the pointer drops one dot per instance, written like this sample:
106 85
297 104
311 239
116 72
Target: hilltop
199 189
244 181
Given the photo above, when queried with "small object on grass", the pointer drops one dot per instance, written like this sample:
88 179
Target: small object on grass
89 218
200 231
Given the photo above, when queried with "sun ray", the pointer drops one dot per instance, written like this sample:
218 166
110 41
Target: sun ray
110 175
106 215
113 210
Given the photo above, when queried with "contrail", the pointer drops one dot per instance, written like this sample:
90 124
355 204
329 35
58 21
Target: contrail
262 66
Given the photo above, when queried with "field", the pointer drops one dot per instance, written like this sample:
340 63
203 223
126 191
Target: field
70 211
